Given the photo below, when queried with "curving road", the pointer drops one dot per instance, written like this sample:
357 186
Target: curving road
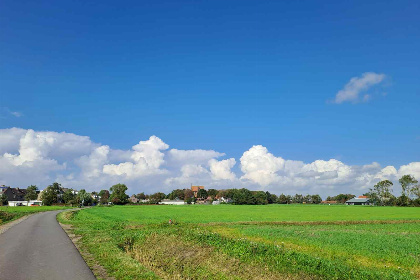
38 248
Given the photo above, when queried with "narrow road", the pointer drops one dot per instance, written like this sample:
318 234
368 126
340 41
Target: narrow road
38 248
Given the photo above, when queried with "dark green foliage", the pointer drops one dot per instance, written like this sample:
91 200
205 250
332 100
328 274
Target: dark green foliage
284 199
260 198
271 198
156 197
51 194
244 196
141 196
104 194
68 196
118 195
202 193
178 193
84 198
31 193
3 199
341 198
298 198
212 193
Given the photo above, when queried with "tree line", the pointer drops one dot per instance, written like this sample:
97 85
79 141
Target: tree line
380 194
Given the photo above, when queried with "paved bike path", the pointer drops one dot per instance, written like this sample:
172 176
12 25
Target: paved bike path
38 248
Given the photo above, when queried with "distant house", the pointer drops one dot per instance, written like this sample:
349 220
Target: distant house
172 202
220 200
361 200
329 202
195 189
133 199
16 197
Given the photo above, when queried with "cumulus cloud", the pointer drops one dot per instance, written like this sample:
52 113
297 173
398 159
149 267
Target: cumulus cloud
260 166
352 90
147 157
221 170
42 157
193 156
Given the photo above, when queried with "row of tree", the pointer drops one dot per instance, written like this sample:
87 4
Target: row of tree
381 193
55 194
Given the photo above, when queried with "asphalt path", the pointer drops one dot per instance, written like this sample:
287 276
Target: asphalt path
38 248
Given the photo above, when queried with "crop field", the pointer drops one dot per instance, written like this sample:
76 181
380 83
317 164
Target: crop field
8 214
251 242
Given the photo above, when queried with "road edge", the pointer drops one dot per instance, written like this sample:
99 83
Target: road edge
5 227
98 271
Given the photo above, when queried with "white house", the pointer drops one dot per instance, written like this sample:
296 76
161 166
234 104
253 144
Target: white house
26 203
172 202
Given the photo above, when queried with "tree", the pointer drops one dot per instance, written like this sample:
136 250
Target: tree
260 198
51 194
188 194
157 197
283 199
316 199
68 196
212 193
307 199
176 194
341 198
243 196
408 187
84 198
271 198
3 199
118 195
298 198
104 194
31 193
381 192
141 196
202 193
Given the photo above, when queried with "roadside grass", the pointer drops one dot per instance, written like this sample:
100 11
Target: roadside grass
8 213
239 242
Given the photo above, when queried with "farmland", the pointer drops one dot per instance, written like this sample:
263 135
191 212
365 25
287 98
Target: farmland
251 242
8 214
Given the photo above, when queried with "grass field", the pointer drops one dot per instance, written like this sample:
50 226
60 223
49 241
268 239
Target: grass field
8 214
252 242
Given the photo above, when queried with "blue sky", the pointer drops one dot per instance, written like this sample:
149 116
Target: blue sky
217 75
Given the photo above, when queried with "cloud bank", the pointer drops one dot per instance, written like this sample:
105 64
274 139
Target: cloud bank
353 89
42 157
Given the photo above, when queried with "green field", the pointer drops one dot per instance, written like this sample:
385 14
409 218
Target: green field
8 214
251 242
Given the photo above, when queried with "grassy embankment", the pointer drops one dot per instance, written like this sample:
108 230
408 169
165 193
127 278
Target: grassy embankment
252 242
8 214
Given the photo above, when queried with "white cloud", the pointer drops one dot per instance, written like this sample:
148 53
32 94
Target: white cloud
146 160
221 170
412 168
260 166
356 85
42 157
193 156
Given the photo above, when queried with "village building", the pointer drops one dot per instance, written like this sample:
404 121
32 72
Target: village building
16 197
329 202
133 199
175 201
361 200
195 190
